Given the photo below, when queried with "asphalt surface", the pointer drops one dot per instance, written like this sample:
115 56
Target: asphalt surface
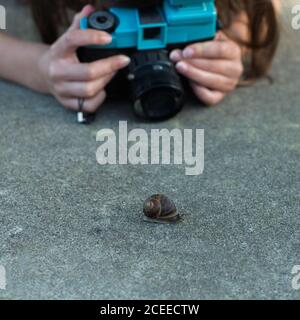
72 229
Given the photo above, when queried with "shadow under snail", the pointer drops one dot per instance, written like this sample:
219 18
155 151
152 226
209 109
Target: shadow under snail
160 209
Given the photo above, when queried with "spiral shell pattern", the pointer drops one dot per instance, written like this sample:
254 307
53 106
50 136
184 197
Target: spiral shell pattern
160 207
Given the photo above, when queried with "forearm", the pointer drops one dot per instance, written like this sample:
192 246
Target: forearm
20 62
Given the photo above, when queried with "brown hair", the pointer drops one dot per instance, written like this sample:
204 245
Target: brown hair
261 17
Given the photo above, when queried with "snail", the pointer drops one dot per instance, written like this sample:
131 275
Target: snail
160 209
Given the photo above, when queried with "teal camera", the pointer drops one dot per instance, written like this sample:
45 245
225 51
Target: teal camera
147 35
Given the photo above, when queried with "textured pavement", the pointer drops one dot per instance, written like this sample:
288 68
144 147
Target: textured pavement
70 228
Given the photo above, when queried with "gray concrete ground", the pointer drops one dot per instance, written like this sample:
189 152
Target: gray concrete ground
70 228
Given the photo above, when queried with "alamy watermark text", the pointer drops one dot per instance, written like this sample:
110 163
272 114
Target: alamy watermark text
2 278
2 18
161 146
296 17
296 277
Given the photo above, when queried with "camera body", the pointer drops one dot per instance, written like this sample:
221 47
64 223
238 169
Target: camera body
147 34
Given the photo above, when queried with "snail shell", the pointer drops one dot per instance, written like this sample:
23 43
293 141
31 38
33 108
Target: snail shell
160 208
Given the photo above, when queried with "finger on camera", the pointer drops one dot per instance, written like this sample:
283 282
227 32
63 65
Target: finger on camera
206 79
176 55
82 89
108 65
223 67
85 12
213 50
89 71
73 39
64 71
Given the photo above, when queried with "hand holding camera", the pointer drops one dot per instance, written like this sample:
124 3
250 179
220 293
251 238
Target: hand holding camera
105 45
68 79
214 68
146 35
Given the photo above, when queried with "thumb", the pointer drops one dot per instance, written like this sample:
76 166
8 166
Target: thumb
85 12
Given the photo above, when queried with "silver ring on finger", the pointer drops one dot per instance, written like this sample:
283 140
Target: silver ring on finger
81 116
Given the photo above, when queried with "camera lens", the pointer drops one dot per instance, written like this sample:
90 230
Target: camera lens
156 86
160 103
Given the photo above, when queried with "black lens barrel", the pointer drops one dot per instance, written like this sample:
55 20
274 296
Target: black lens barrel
156 86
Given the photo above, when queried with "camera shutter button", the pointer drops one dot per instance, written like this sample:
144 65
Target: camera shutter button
104 21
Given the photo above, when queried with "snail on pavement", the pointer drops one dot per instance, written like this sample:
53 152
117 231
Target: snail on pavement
160 209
